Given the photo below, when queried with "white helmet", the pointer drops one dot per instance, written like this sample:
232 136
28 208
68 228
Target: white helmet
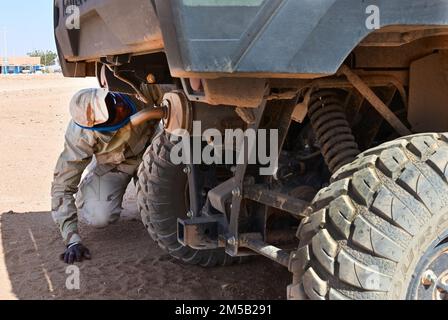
88 107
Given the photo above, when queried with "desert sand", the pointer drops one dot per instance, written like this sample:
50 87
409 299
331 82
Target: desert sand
126 263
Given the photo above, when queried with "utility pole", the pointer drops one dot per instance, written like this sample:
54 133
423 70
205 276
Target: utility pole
5 52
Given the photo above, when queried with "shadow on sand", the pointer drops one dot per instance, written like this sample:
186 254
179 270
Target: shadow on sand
126 265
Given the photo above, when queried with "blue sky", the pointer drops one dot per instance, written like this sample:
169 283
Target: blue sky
29 25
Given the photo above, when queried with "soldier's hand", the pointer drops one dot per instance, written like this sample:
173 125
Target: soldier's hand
75 253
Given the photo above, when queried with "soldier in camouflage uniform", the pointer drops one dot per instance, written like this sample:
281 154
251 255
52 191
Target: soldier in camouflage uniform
100 138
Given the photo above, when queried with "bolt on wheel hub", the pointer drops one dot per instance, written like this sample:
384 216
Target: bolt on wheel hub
431 279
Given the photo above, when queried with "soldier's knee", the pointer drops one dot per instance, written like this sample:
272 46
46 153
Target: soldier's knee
100 214
100 198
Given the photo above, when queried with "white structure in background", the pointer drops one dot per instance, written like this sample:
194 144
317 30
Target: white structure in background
55 68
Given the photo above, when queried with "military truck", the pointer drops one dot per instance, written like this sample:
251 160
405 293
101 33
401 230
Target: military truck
355 93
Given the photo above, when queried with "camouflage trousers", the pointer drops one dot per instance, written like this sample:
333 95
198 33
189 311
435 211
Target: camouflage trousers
100 196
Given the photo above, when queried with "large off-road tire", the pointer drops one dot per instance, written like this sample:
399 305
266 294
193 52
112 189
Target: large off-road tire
373 226
162 190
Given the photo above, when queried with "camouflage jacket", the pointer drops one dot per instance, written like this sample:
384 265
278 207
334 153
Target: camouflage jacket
121 150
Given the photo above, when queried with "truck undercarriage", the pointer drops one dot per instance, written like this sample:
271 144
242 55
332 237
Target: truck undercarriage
358 194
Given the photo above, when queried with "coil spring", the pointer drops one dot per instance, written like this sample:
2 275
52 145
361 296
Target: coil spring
333 132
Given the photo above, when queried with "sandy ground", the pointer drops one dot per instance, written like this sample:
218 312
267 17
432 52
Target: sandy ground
126 264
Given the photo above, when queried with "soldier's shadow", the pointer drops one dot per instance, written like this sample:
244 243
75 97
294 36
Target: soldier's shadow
126 264
30 247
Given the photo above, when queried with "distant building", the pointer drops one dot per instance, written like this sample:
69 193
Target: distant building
16 65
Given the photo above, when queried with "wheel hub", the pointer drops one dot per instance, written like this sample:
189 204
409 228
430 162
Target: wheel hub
431 280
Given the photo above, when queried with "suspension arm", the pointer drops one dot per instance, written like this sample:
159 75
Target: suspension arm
375 101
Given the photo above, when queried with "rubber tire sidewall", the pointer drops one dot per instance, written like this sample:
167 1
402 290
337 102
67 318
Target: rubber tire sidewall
162 196
432 234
